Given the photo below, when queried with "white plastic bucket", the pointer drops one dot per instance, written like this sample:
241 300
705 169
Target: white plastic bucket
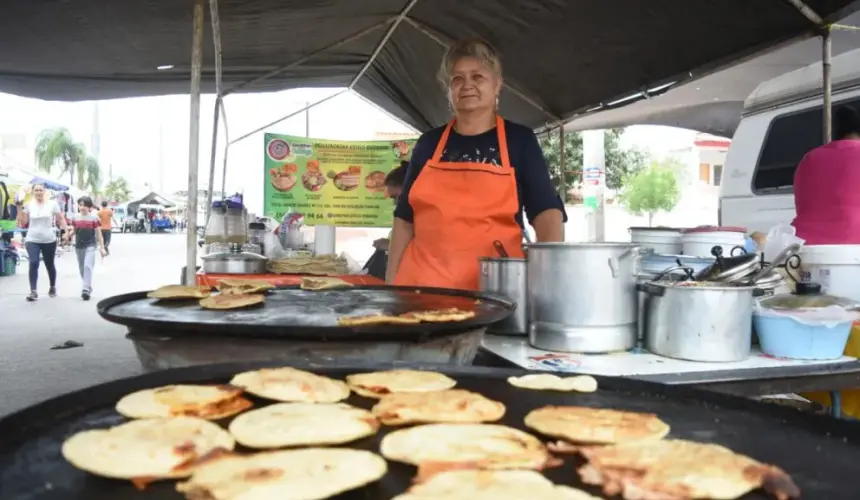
663 241
835 267
700 243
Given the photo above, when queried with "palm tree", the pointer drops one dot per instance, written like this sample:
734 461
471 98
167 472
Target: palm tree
117 191
89 174
55 147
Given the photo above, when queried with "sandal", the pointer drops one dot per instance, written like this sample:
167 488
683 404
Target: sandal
33 296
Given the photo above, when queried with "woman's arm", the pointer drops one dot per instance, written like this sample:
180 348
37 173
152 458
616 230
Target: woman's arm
403 234
549 226
23 218
60 218
541 202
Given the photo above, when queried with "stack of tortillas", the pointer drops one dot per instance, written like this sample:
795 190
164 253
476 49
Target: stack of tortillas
321 265
491 485
291 385
309 474
211 402
146 450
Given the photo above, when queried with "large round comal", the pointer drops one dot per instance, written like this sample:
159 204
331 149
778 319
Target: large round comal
698 323
582 297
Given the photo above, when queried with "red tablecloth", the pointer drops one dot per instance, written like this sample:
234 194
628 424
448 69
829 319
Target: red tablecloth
282 279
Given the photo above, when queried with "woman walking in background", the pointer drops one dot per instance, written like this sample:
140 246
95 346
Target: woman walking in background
39 217
86 229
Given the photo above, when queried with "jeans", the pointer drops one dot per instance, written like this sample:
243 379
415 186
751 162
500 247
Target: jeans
86 262
106 233
48 251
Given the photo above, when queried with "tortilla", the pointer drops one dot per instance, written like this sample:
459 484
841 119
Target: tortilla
676 469
308 474
441 315
578 424
233 286
323 283
377 319
147 449
435 448
211 402
549 382
492 485
230 301
452 405
378 384
180 292
291 385
302 424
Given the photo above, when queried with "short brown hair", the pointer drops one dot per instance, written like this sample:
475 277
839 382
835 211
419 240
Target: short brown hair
477 48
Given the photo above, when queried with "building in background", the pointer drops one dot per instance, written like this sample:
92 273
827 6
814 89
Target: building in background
703 161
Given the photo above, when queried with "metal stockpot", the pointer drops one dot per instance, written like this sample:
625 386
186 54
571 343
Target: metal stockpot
234 263
582 297
697 321
507 277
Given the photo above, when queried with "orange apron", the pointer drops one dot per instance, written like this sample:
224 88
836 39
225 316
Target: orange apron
460 209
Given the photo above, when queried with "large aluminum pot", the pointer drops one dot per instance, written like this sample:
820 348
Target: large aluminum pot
582 297
507 277
699 321
234 263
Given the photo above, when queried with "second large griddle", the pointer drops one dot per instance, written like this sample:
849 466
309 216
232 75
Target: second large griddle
821 454
293 313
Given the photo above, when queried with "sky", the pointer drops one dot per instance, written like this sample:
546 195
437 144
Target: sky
145 140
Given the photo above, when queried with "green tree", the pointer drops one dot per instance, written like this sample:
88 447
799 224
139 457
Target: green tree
652 190
621 164
56 148
117 190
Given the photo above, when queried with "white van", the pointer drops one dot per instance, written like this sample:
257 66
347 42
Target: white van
782 121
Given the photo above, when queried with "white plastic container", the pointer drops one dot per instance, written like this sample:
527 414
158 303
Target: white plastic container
700 243
664 240
835 267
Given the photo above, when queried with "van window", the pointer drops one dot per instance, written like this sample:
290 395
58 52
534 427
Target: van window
788 139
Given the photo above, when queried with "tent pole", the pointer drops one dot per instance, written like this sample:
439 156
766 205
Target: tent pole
522 95
562 184
294 113
304 59
194 143
212 160
826 54
381 45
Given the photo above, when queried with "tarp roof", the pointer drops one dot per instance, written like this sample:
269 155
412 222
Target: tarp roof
714 103
563 56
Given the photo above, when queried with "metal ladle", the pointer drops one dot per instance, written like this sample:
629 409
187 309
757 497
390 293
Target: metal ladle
501 249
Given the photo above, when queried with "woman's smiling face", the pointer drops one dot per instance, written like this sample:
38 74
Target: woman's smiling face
472 85
39 192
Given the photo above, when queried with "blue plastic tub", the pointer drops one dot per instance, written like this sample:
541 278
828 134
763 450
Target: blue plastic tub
785 337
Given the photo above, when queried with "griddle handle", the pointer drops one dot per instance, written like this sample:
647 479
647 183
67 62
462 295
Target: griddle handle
651 289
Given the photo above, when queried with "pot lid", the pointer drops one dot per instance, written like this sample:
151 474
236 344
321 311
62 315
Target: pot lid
656 228
223 256
715 229
806 296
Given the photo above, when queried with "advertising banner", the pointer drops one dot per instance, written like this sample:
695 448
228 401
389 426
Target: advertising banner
333 183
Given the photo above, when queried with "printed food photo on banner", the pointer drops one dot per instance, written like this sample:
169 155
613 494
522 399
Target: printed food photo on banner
342 182
313 179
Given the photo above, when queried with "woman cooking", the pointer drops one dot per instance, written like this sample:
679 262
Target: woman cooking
469 182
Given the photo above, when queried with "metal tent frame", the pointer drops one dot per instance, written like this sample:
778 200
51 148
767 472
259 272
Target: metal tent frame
392 23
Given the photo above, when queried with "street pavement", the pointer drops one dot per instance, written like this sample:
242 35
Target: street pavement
29 370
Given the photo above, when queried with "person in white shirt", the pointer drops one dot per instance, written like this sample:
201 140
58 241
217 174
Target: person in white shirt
39 216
